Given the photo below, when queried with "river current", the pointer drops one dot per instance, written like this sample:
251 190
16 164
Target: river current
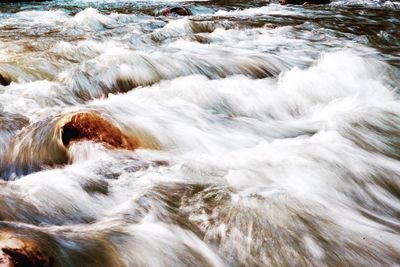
269 135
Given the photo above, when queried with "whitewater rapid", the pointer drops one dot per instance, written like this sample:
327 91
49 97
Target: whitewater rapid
269 135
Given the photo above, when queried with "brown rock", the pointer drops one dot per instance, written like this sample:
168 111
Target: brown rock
270 26
91 126
19 252
176 11
4 81
48 143
6 260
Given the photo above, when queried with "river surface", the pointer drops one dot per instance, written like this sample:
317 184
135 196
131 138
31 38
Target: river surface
272 133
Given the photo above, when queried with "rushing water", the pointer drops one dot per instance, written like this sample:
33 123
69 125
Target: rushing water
270 135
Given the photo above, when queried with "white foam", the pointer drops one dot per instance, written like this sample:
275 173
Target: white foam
91 17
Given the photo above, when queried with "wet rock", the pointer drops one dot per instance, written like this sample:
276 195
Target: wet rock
96 187
48 143
6 260
302 2
176 11
4 81
270 26
92 127
18 252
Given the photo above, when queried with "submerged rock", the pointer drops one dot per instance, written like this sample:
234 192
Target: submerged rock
18 252
176 11
301 2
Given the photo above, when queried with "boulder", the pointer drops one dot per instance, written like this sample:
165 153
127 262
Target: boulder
47 143
176 11
90 126
16 251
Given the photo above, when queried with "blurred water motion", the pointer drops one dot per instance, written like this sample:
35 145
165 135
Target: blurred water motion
246 134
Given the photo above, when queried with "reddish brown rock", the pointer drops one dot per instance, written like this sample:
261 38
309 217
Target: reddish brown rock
18 252
47 144
5 260
176 11
91 126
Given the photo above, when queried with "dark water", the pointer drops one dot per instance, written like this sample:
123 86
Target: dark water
268 135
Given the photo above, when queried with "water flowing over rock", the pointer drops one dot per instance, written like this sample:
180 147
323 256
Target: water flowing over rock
92 127
47 143
232 133
18 252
